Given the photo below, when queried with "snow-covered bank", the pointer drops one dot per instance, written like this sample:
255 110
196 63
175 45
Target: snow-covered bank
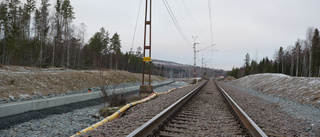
302 89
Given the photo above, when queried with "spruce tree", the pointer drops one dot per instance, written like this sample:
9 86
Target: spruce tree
115 43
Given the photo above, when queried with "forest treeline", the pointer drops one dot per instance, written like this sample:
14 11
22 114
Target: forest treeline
301 59
33 36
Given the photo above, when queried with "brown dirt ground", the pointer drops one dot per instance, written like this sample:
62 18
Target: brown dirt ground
20 81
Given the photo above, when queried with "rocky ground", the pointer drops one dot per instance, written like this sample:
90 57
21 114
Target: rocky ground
17 82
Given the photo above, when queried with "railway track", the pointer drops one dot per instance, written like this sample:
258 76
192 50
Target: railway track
202 112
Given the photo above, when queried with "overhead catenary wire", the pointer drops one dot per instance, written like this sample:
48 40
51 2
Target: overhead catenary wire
135 28
185 19
176 22
210 18
194 21
211 31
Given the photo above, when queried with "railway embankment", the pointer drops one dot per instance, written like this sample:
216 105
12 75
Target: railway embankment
305 90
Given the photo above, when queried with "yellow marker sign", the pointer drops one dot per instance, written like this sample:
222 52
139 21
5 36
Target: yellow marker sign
146 58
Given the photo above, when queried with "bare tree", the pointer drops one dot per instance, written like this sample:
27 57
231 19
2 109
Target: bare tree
44 27
308 42
305 55
68 16
108 86
81 35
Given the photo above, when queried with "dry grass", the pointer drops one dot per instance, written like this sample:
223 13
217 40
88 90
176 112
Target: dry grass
142 96
17 80
109 110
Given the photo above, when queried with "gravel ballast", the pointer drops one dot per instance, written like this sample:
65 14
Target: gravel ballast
65 124
268 115
205 115
139 114
275 115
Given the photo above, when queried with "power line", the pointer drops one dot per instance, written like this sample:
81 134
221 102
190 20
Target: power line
211 32
184 18
135 28
209 5
176 22
184 4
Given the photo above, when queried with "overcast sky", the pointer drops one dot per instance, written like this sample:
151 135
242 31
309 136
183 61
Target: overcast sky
239 27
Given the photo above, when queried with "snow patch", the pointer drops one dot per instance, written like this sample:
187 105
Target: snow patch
10 96
316 81
24 95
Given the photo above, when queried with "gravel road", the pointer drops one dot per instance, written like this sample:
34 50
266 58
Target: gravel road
65 124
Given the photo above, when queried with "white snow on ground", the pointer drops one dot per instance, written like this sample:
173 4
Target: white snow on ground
302 89
24 95
10 96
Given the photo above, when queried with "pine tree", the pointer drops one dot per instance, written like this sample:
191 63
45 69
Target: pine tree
115 46
280 59
138 52
98 45
4 25
115 43
315 53
14 30
58 35
247 64
298 52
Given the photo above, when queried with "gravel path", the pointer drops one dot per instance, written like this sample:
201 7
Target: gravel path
275 115
65 124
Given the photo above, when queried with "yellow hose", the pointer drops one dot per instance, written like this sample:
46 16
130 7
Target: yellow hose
121 110
115 114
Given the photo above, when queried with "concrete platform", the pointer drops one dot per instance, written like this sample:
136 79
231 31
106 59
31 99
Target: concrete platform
146 89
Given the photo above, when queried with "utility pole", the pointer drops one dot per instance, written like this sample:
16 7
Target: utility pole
147 48
205 71
195 56
202 68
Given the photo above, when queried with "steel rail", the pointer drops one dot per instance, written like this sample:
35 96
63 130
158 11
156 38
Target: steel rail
251 126
157 122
